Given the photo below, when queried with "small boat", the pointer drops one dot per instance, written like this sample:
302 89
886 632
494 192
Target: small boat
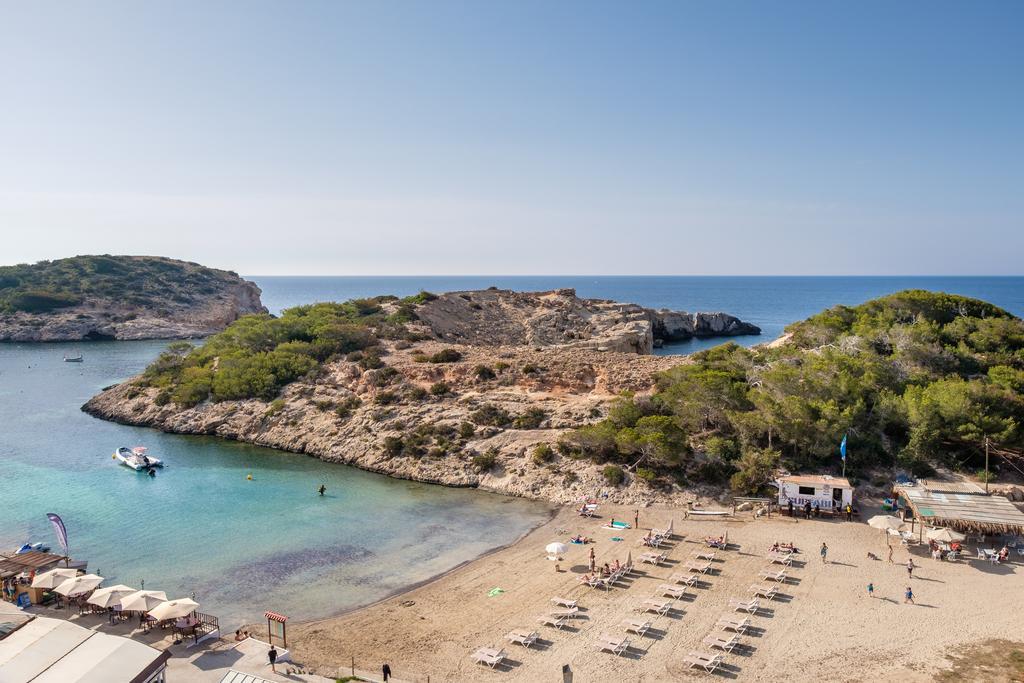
73 359
29 547
136 458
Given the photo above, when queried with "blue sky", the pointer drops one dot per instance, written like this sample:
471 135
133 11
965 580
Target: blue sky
518 137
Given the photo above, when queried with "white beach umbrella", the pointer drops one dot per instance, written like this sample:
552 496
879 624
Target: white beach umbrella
945 535
173 609
79 584
54 577
555 549
143 601
885 522
110 596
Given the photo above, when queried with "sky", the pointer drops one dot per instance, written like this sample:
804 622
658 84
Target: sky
526 137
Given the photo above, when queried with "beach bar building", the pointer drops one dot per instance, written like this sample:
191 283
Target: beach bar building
823 490
962 506
45 650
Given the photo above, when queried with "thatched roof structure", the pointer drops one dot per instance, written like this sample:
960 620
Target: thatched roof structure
966 511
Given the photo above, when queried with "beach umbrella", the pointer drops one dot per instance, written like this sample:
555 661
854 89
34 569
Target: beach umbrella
945 535
109 596
885 522
143 601
79 584
174 609
53 578
555 549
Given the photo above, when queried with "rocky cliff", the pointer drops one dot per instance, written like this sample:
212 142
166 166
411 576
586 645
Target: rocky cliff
474 390
120 297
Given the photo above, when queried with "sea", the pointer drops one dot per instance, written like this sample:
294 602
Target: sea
242 528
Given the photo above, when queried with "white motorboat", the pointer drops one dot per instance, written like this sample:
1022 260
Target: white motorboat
136 458
73 359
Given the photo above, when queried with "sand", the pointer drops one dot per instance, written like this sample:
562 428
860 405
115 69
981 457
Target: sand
825 628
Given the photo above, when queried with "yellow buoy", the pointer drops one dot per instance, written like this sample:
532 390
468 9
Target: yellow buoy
249 477
113 456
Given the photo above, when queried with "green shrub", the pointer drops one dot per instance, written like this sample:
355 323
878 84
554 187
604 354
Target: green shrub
466 430
384 376
501 366
543 454
393 446
324 405
275 407
440 389
646 474
37 301
531 419
417 393
613 474
483 373
491 415
386 398
446 356
162 398
570 478
485 462
346 407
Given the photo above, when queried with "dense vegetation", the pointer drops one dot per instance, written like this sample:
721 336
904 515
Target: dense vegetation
257 355
134 280
915 379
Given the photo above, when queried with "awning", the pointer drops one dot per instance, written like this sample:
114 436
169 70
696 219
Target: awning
274 616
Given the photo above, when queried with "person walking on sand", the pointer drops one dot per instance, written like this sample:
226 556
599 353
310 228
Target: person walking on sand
849 513
910 568
272 656
386 673
593 562
871 589
791 510
824 554
636 519
908 595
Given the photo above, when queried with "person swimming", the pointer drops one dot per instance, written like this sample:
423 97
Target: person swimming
322 489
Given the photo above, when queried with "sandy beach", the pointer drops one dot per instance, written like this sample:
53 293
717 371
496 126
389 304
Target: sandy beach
822 625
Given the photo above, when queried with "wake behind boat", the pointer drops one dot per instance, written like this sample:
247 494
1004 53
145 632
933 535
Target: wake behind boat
136 458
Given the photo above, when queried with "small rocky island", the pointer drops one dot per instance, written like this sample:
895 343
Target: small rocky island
120 297
467 388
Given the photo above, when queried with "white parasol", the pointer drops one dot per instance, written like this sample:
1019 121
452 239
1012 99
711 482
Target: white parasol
53 578
110 596
143 601
555 549
79 584
945 535
173 609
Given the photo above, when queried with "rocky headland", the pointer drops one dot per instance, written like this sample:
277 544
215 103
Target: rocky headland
120 297
479 396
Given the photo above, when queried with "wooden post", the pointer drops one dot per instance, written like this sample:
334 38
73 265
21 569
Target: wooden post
353 665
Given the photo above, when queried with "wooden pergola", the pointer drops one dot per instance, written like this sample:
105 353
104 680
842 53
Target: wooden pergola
963 510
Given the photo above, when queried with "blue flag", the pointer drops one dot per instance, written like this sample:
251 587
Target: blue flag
842 448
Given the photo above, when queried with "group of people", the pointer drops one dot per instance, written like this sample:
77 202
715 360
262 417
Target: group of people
815 510
779 547
715 541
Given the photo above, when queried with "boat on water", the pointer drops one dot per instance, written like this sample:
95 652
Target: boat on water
73 359
136 458
29 547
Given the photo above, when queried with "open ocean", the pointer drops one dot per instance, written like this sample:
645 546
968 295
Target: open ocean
271 543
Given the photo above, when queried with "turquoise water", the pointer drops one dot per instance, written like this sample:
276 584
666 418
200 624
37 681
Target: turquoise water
200 526
771 303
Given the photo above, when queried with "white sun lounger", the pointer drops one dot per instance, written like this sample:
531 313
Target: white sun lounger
656 605
607 643
563 602
722 642
708 555
772 575
637 626
760 591
553 620
707 661
673 591
490 656
653 558
701 567
685 579
524 638
781 558
750 606
731 623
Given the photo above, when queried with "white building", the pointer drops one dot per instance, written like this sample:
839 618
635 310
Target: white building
45 650
823 490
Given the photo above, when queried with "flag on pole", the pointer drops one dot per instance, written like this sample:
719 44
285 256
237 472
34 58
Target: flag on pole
59 529
842 448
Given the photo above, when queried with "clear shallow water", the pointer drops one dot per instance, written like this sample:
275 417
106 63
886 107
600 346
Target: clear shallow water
771 303
200 526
